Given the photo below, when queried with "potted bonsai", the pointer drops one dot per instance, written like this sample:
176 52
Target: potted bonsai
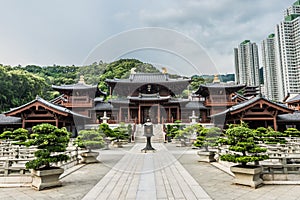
108 134
89 139
172 130
243 149
207 137
120 133
183 135
50 142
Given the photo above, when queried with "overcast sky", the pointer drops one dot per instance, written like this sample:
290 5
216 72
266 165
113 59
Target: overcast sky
66 32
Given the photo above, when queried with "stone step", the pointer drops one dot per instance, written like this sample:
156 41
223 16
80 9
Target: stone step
157 130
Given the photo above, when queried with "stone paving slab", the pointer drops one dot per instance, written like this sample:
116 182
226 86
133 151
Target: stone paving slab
219 186
216 183
75 184
153 175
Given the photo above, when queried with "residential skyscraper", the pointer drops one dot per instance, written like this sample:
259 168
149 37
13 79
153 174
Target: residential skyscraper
288 51
247 64
270 71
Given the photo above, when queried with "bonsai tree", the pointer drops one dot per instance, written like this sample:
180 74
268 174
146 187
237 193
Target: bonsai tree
49 140
207 137
90 139
121 132
242 144
20 135
129 130
183 133
172 129
106 130
269 136
292 132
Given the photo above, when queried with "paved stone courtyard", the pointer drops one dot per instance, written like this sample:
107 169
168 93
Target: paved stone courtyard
169 173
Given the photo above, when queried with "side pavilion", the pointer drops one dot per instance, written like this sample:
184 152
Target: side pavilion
41 111
256 112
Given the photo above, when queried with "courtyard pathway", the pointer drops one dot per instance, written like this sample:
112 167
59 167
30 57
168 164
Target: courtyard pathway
147 176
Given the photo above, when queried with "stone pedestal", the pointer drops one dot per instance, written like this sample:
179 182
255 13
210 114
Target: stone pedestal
206 156
46 178
89 157
249 175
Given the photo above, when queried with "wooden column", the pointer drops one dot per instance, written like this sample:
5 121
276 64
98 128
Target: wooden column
158 114
275 120
177 114
128 114
120 114
169 115
23 123
139 115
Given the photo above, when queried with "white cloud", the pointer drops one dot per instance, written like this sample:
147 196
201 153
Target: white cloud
63 32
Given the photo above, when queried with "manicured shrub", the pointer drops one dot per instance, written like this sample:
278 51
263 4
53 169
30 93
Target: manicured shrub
50 141
242 145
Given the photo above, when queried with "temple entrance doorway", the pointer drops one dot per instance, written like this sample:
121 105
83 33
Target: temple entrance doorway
150 112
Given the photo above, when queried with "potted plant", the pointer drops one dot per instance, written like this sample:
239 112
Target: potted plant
50 142
108 134
172 130
89 139
269 136
243 149
184 134
120 133
207 137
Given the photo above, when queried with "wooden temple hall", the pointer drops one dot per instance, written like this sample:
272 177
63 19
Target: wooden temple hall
153 96
148 96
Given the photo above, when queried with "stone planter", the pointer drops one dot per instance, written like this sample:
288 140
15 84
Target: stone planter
249 175
206 156
46 178
89 157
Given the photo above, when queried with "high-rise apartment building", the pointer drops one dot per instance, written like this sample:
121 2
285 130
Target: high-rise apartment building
247 64
269 68
288 52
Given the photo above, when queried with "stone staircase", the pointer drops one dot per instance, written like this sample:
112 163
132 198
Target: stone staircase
157 131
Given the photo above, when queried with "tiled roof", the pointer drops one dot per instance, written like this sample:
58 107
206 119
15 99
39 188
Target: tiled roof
98 99
195 105
293 117
205 90
296 98
149 97
49 104
147 78
122 101
9 120
237 95
77 86
103 106
246 103
61 97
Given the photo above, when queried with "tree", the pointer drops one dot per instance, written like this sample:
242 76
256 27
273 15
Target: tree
269 136
90 139
242 144
207 137
19 135
50 141
292 132
121 132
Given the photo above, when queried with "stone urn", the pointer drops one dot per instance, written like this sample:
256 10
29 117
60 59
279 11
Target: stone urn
248 175
46 178
89 157
206 156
